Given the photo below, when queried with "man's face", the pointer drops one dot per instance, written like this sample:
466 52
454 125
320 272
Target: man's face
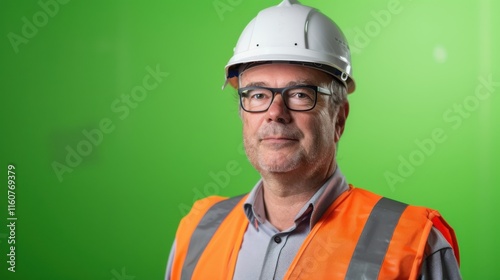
280 140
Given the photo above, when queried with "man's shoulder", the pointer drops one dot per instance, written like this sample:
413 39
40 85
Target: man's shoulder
202 206
367 194
364 196
412 218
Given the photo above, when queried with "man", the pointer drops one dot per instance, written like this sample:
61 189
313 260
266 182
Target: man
292 69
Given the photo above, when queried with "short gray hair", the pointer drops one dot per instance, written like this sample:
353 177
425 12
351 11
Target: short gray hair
338 90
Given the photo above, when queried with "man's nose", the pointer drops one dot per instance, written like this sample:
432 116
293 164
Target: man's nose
278 111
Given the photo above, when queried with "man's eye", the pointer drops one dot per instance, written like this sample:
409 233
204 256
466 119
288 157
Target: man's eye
301 95
257 95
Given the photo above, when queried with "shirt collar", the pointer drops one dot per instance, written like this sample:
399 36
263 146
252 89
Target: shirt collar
312 209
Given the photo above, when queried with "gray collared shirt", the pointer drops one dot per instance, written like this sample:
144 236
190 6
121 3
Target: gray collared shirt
266 253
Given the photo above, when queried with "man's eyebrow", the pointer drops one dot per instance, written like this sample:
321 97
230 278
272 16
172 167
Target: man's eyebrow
300 82
289 84
256 84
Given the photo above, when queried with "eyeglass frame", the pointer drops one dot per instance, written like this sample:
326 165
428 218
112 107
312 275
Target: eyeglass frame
274 91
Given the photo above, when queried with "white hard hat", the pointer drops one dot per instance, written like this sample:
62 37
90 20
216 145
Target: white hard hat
294 33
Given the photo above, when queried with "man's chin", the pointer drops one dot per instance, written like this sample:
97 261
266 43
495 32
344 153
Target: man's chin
278 166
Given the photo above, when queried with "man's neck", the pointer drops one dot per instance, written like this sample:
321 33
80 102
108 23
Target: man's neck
286 194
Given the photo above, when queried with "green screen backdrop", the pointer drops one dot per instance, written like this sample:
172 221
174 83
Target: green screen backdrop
115 122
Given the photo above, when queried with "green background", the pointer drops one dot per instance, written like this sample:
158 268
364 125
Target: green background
114 215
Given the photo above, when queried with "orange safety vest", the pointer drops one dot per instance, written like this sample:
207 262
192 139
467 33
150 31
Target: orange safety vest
360 236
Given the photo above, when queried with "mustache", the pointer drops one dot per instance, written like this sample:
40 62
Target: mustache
276 129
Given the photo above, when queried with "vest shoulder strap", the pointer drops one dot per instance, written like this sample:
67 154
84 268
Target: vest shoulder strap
372 245
204 230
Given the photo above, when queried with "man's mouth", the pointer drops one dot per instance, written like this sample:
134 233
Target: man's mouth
277 139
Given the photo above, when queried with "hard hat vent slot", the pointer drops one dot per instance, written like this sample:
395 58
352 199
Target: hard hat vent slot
344 76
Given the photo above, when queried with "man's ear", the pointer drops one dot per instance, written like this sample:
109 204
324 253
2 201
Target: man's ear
341 120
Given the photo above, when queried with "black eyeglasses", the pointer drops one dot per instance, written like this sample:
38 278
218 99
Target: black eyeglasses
296 98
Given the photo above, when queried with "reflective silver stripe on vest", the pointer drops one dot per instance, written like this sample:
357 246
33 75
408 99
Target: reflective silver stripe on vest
374 240
204 232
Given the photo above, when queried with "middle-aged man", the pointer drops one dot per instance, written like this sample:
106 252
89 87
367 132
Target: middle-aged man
302 220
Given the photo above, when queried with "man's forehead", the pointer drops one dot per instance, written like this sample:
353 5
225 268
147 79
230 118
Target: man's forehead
286 74
259 83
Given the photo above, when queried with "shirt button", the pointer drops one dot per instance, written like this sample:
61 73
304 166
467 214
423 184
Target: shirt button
277 239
